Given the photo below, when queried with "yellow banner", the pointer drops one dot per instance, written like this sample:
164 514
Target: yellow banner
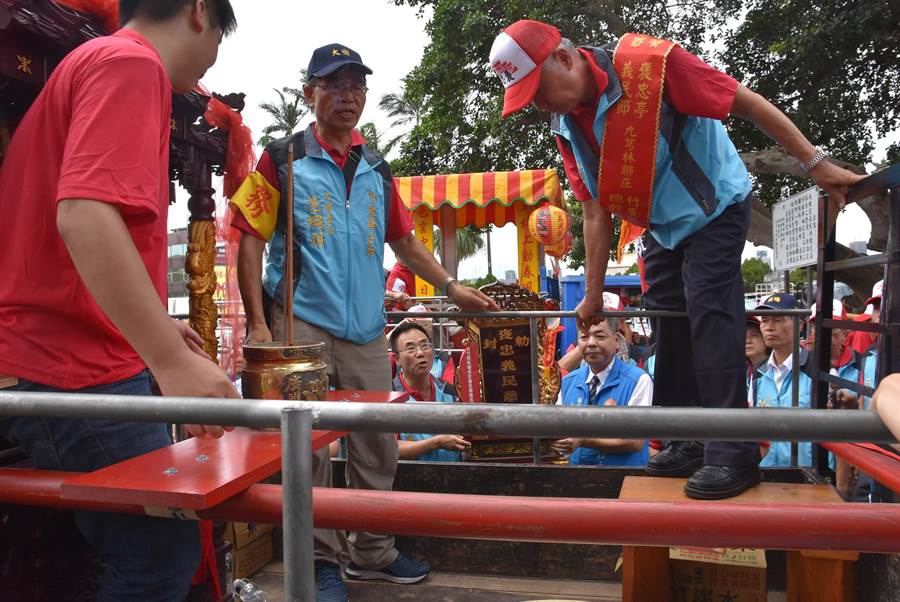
529 276
424 224
257 200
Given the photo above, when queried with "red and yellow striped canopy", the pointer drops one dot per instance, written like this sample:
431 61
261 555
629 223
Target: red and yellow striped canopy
480 198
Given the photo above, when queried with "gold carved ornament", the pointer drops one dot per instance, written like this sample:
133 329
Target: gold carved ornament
200 264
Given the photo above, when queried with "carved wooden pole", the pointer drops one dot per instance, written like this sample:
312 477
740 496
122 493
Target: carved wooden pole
200 263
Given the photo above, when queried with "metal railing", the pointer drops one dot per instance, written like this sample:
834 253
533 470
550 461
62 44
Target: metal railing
296 420
797 315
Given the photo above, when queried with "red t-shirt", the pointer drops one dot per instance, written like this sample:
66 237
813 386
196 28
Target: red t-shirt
399 221
692 87
99 130
401 272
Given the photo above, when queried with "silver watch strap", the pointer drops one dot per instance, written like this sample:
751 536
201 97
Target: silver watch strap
817 158
446 287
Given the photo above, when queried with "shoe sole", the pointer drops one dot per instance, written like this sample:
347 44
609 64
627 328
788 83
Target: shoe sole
707 494
363 575
685 470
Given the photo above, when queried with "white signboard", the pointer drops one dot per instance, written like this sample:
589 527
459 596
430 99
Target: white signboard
795 222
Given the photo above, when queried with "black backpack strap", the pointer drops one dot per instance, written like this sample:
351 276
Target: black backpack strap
384 170
350 167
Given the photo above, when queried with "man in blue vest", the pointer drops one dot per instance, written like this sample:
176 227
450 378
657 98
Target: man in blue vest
411 345
772 386
345 208
604 380
639 129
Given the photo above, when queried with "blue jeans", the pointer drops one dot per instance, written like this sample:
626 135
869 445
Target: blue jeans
146 558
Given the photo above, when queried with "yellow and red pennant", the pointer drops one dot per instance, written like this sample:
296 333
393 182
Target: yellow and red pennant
258 201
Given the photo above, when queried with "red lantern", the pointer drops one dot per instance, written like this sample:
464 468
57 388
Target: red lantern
548 225
562 248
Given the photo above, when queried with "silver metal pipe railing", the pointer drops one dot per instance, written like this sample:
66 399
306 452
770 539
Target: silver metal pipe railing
522 420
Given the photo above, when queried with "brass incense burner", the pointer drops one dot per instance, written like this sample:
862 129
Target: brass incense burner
278 371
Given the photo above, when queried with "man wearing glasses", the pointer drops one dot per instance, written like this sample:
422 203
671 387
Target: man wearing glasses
412 347
345 209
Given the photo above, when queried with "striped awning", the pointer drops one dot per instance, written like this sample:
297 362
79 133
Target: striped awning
480 198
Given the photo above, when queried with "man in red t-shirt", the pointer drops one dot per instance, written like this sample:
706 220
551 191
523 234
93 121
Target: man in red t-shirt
84 195
639 129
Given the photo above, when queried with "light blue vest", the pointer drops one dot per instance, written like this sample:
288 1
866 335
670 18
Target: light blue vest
619 385
767 395
338 240
443 393
699 173
869 363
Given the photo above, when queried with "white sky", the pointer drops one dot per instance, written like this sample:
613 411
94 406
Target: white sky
275 39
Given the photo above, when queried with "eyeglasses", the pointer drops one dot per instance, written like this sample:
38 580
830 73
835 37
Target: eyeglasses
339 86
424 348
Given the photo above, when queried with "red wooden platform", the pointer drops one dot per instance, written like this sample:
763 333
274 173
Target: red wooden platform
199 473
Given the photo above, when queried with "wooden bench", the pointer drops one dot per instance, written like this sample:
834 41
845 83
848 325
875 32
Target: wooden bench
813 576
196 473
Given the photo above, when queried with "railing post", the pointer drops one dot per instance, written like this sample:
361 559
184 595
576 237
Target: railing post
795 381
296 458
535 382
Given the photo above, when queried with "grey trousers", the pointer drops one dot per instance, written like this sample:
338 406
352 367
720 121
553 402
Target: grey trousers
371 457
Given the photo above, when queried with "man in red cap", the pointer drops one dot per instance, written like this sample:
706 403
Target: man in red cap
860 340
639 127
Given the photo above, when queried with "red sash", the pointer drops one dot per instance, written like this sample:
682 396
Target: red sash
628 148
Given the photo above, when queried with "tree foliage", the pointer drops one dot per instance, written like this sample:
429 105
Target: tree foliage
286 114
469 241
754 271
831 65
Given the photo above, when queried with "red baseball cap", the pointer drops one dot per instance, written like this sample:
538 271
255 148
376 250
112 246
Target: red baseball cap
516 57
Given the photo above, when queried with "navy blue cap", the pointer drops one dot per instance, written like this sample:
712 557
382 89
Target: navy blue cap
779 301
331 57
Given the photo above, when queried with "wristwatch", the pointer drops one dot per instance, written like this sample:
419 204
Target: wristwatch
817 158
446 286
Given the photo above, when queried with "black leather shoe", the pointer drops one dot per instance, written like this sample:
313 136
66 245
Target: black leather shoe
720 482
678 459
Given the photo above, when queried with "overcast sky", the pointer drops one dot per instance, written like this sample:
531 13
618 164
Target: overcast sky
275 39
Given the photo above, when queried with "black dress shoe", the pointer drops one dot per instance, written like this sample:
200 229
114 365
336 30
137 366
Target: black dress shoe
720 482
678 459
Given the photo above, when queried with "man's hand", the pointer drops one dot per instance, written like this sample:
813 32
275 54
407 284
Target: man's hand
193 340
451 442
587 311
565 446
847 400
258 333
835 181
190 375
401 299
470 299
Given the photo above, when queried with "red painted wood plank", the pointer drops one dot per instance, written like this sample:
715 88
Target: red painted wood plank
200 473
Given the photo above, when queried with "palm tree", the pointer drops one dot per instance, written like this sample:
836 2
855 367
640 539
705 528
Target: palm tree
374 137
404 109
286 114
468 241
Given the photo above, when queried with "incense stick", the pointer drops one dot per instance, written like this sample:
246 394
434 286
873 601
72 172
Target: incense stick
289 253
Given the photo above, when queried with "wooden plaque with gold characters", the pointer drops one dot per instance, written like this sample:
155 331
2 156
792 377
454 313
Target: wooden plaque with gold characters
504 345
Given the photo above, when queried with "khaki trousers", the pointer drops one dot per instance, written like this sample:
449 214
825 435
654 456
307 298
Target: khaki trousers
371 457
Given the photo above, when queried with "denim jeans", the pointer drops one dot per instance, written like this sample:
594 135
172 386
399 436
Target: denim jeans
148 559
